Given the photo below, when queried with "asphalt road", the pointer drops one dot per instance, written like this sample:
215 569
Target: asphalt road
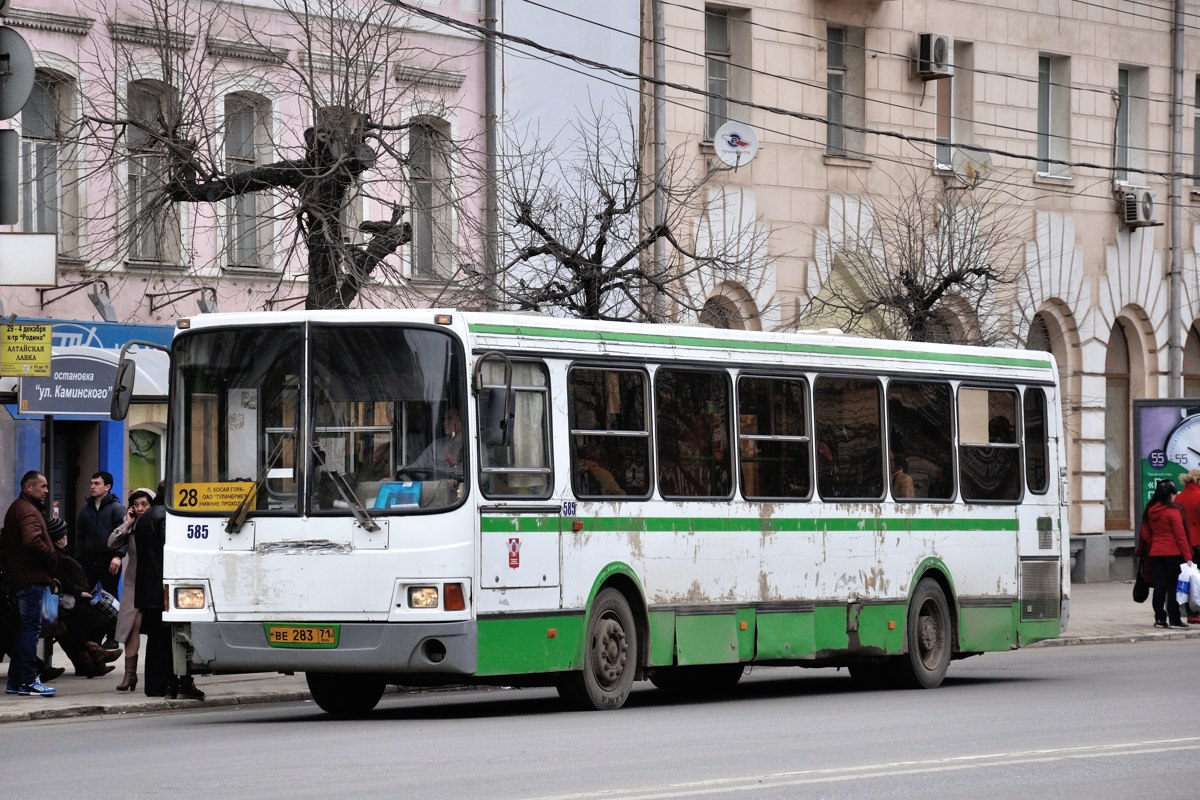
1102 721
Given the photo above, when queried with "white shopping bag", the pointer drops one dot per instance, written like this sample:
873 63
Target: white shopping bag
1183 586
1194 591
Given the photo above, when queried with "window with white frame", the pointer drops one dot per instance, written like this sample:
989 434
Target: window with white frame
726 53
42 155
845 90
955 99
153 227
1053 114
246 143
429 176
1196 139
1132 124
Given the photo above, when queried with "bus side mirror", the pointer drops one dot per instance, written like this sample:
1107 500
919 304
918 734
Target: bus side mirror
498 417
122 391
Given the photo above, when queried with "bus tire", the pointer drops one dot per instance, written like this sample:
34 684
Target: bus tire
700 679
344 695
928 638
610 656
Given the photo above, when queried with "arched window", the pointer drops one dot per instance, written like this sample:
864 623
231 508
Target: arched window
153 227
1117 469
721 312
247 145
1191 364
429 174
42 121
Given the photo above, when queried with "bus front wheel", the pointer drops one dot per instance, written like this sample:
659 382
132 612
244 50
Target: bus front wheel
344 695
929 638
610 656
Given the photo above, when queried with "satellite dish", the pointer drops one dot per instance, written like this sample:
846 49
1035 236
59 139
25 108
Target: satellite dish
735 143
17 84
971 166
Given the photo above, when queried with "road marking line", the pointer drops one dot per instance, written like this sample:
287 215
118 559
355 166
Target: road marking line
892 769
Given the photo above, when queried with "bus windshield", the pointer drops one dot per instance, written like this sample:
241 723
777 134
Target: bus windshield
317 419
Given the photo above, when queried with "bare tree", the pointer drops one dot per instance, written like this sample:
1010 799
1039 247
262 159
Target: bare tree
932 260
183 121
577 232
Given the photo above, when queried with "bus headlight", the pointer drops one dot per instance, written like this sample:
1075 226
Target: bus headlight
189 597
422 597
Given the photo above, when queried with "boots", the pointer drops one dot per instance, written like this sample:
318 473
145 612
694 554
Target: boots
129 682
186 689
101 655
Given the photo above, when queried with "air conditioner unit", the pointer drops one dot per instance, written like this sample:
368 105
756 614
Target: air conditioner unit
934 58
1136 206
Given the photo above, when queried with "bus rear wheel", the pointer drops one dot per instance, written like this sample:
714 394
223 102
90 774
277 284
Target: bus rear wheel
344 695
929 638
610 656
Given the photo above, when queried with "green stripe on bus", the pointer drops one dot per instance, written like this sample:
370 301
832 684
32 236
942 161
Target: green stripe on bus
543 524
770 347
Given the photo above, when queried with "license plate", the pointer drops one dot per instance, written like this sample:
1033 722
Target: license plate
316 636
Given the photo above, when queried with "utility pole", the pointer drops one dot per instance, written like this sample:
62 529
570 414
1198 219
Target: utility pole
658 309
1174 202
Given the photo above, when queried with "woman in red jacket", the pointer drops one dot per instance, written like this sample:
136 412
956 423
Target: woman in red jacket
1164 540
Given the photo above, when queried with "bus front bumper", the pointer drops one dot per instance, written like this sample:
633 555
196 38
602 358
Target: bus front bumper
446 648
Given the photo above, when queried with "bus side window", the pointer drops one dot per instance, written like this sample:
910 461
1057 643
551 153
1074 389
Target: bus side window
989 457
520 468
773 440
849 428
691 409
610 434
1037 445
920 440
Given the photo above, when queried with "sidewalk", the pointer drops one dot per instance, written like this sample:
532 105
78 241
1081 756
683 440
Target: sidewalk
1100 613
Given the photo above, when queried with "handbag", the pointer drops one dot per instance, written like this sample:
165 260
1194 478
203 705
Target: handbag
49 608
1141 587
105 603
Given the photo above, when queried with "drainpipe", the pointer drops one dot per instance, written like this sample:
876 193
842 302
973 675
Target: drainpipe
1175 201
658 301
491 201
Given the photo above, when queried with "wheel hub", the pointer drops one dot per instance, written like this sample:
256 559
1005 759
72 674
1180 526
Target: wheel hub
610 652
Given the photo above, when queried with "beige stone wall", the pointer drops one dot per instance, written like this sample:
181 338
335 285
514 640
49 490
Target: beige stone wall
1085 271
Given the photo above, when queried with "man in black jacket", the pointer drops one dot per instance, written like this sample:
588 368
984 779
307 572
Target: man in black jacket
29 565
101 513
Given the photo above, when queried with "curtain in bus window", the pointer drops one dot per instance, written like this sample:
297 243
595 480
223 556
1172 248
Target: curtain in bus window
989 458
610 439
523 468
773 439
235 397
691 412
1037 445
380 393
849 429
920 441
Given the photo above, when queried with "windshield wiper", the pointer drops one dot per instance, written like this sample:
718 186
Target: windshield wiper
239 516
347 492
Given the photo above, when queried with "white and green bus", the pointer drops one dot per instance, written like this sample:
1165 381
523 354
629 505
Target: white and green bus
438 497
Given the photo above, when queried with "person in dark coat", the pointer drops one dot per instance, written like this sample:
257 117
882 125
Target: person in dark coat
29 564
101 513
81 625
1163 538
150 537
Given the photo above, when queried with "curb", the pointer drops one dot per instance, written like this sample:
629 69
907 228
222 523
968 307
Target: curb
1128 638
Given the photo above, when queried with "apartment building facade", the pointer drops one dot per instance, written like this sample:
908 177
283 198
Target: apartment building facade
1065 106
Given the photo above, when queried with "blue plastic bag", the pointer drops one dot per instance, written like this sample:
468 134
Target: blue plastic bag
49 608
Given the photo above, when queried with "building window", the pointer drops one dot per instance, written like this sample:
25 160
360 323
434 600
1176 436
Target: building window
1191 364
153 227
726 52
245 142
1054 114
845 86
41 156
1196 138
954 104
429 172
1131 127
